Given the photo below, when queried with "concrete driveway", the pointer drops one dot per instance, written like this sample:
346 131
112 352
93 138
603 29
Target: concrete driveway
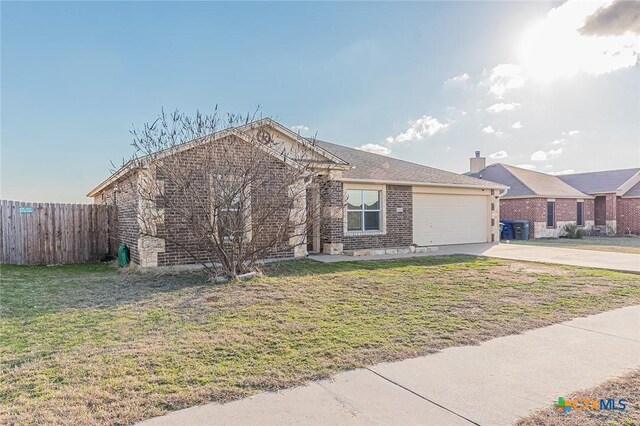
494 383
564 256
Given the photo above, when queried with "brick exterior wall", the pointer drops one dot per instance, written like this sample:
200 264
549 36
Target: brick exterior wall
184 248
628 216
179 246
534 210
126 199
399 224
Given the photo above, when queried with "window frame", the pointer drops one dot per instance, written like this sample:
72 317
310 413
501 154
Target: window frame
553 217
247 235
580 213
382 196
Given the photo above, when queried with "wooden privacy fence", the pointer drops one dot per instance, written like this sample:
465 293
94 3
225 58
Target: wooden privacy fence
52 233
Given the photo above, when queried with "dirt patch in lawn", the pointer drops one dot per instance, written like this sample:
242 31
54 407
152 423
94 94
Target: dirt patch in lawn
627 387
90 345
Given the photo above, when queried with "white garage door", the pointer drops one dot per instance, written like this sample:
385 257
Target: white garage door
449 219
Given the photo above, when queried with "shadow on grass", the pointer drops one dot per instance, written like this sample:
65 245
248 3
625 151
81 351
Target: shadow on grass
30 291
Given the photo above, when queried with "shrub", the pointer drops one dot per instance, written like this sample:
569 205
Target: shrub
572 231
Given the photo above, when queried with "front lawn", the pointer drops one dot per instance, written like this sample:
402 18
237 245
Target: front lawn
629 244
91 344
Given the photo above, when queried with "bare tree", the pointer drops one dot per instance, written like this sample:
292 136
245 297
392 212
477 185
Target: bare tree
224 192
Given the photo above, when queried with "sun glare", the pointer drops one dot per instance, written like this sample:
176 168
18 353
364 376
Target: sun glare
554 48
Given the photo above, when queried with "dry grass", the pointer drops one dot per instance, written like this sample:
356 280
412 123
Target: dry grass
627 386
90 345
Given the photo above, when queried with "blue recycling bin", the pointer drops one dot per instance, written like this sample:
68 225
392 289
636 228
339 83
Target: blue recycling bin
507 230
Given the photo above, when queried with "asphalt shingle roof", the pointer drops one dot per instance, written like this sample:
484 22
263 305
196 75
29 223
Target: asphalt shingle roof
523 182
597 182
377 167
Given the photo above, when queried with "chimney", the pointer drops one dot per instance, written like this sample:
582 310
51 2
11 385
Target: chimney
477 163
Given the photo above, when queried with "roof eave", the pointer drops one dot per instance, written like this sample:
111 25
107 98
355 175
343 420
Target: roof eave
418 183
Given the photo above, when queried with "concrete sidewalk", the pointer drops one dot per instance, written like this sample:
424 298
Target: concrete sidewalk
589 258
494 383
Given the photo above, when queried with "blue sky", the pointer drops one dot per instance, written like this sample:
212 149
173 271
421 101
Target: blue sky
426 82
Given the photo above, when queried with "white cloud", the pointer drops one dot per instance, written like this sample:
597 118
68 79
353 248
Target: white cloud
460 78
499 107
573 132
543 156
375 148
562 172
491 131
517 125
555 152
505 77
555 47
422 128
539 156
300 128
558 142
526 166
499 154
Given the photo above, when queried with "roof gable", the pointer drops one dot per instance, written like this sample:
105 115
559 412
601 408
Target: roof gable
634 191
283 147
601 182
527 183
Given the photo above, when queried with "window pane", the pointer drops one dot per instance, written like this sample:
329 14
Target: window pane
551 207
580 218
354 221
371 221
371 200
227 223
354 199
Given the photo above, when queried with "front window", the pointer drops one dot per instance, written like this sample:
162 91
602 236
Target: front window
232 210
580 216
551 214
363 210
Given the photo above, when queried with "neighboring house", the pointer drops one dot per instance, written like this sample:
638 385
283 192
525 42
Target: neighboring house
545 201
367 201
617 198
607 202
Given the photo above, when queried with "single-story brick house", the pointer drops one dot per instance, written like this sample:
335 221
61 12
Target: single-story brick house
367 201
616 198
607 202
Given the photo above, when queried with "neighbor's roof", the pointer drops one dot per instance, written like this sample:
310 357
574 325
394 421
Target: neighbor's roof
372 167
523 182
634 191
599 182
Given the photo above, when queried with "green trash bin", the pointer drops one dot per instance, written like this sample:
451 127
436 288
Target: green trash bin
123 255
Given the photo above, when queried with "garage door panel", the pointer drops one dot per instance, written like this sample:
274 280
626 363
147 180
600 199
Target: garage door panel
449 219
